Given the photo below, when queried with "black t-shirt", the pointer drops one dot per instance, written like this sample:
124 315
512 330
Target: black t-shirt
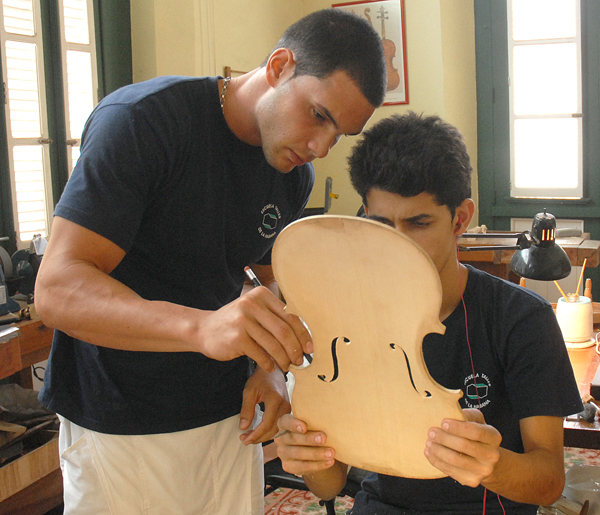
522 369
162 176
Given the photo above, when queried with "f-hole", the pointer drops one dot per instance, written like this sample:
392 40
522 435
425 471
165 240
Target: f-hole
334 359
394 346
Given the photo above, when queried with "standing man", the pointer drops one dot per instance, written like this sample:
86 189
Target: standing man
413 174
181 183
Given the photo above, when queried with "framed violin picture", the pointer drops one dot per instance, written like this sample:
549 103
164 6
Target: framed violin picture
387 18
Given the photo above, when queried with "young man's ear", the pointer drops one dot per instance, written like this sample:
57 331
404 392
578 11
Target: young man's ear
280 66
463 215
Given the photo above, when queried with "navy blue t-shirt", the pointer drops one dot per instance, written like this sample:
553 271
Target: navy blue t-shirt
162 176
522 370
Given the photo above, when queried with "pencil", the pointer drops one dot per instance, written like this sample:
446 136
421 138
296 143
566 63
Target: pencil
581 276
252 276
563 293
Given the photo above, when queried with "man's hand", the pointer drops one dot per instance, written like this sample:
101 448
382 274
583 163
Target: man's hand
305 453
255 325
302 451
270 389
466 451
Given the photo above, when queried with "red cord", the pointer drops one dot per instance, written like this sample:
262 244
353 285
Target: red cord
484 499
473 368
501 505
467 332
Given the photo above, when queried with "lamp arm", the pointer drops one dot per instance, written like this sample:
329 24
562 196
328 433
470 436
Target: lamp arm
462 248
526 240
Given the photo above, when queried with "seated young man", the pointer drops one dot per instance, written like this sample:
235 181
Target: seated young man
413 174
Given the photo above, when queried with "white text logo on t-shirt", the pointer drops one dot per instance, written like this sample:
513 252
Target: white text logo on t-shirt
270 220
476 391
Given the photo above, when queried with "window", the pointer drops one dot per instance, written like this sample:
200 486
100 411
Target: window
552 100
55 65
499 204
544 55
26 121
24 88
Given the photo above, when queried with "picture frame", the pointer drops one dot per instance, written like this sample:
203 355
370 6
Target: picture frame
387 18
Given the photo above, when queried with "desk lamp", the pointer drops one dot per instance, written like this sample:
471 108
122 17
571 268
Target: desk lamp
537 255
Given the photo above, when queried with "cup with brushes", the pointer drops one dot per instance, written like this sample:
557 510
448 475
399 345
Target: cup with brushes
575 316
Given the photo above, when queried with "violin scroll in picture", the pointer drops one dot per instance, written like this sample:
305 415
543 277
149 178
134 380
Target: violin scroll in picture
389 49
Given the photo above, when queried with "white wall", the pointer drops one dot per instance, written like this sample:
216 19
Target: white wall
200 37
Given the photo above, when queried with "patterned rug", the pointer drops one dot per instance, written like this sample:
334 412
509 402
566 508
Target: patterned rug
284 501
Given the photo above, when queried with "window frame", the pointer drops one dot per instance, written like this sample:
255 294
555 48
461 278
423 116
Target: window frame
537 191
496 206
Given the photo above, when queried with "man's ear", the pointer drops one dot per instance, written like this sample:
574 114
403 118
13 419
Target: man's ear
463 215
280 66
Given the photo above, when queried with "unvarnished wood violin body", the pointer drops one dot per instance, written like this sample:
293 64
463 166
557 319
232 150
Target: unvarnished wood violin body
369 295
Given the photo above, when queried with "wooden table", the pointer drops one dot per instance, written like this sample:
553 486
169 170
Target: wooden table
583 434
30 346
496 262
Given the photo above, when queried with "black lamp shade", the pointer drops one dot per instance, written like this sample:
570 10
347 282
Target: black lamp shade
541 264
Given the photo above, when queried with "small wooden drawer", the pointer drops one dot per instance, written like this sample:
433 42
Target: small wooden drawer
30 467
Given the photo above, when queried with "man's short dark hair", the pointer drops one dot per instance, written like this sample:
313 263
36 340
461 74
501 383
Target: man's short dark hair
411 154
329 40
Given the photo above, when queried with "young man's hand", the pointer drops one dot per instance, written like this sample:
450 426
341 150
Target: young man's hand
466 451
302 451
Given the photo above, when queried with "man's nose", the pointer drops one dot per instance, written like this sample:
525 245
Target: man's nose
321 145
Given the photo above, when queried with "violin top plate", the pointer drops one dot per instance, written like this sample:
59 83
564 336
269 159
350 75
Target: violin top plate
369 295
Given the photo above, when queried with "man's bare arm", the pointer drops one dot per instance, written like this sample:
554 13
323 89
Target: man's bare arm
75 294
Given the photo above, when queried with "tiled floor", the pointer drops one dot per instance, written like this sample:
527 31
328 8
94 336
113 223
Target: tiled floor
294 502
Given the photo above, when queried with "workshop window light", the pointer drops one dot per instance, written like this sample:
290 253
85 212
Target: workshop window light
75 15
18 17
544 46
23 87
79 74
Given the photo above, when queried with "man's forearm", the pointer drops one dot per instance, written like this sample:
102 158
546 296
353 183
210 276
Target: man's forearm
92 306
326 484
536 477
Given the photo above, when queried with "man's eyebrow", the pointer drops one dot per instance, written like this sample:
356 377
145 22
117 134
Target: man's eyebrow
380 219
418 218
412 219
328 115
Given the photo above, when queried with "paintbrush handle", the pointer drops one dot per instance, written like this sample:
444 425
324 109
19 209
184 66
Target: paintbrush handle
581 276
